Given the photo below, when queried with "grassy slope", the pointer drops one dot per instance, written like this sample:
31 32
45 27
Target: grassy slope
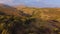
51 15
44 13
25 23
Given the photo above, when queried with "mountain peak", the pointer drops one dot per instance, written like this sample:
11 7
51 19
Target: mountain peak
1 4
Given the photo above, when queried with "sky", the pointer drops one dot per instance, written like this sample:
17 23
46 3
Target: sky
35 3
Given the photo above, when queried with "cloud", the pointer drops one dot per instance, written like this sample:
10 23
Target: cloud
38 0
6 1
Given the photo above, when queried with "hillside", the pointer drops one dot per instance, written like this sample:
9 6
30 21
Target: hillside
9 10
44 13
29 20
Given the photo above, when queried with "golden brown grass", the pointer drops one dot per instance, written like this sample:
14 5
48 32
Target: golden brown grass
44 13
40 20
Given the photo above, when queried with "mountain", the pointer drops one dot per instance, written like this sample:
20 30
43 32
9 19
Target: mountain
9 10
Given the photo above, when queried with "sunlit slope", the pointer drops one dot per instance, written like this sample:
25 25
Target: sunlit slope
45 13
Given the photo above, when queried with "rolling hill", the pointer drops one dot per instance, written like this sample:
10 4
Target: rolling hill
44 13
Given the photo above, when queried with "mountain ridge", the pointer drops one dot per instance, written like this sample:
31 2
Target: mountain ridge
9 10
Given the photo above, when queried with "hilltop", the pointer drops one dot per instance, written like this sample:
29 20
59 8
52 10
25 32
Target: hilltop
8 10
